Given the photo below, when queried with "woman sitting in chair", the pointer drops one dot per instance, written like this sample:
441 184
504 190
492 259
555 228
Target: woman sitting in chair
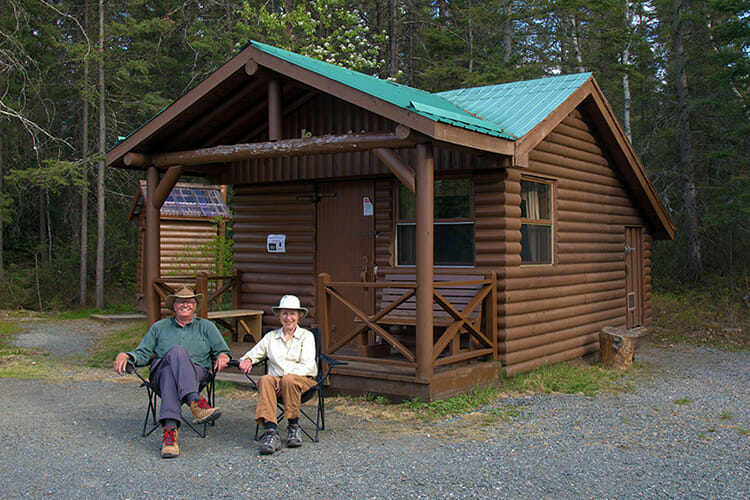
290 351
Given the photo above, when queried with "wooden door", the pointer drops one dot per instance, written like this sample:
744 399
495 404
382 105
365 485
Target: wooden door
345 244
634 276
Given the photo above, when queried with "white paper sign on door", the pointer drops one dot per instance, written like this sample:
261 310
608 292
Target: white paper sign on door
367 208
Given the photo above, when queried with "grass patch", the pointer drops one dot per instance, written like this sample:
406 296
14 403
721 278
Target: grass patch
16 362
726 415
713 313
85 313
682 401
566 378
569 378
460 404
108 347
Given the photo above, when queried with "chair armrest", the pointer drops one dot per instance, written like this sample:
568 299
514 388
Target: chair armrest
131 368
330 361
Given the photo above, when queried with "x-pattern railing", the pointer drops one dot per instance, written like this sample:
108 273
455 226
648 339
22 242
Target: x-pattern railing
477 319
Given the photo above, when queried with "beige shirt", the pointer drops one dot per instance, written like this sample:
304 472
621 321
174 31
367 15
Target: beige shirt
296 356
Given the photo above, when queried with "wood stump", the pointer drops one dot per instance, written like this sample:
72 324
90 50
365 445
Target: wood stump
617 347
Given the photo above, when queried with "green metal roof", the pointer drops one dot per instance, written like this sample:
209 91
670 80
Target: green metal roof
519 106
431 106
508 110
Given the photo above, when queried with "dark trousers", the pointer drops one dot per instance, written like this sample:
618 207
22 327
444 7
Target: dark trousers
176 376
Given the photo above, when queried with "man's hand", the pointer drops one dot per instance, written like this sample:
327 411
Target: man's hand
121 361
245 366
221 362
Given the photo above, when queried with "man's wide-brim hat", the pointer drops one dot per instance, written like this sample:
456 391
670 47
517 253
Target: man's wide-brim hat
183 293
290 302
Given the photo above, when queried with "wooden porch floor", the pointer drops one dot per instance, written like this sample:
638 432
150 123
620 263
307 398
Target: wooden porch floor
395 382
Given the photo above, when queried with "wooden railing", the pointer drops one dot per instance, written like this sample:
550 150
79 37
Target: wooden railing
466 324
212 286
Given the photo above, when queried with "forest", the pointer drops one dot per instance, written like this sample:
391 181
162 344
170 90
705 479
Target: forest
75 75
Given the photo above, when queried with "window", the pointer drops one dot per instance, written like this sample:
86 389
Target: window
453 229
536 222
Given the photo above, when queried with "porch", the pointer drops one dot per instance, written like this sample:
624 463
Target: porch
404 350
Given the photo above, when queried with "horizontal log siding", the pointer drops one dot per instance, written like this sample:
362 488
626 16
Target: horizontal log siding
183 247
554 313
279 209
385 215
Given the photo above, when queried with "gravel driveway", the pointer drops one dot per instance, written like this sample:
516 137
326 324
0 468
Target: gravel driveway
80 438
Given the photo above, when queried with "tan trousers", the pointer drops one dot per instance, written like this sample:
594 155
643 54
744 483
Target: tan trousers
290 387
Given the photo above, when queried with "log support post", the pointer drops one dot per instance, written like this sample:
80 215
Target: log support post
151 254
274 110
425 244
156 194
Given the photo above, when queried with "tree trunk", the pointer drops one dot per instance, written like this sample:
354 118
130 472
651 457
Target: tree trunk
84 173
694 263
507 30
577 43
393 69
100 172
2 173
626 75
42 226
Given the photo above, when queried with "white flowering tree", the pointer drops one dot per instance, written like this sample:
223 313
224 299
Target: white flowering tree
328 30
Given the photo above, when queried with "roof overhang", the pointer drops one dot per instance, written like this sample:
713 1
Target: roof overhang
252 65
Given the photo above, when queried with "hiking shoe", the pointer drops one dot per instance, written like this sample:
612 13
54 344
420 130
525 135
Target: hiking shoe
271 443
169 448
203 412
294 436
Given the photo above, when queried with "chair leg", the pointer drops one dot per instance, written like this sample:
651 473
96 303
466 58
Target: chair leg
150 412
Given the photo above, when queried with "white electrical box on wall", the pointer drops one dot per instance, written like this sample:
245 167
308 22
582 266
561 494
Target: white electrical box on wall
276 243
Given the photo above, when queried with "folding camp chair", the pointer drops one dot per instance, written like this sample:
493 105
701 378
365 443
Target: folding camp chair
317 390
150 424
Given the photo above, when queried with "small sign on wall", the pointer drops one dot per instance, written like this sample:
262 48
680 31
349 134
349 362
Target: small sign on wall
367 208
276 243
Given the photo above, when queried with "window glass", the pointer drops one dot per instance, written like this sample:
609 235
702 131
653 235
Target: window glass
536 222
452 200
453 227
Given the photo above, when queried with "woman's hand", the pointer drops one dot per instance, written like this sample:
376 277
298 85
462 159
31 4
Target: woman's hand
245 366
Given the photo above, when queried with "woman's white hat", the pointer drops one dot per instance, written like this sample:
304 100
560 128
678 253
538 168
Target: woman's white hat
290 302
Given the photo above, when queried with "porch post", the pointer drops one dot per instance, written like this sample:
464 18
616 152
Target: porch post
425 243
274 110
151 254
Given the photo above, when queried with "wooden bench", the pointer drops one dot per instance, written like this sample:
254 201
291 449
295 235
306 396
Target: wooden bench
458 315
453 288
240 322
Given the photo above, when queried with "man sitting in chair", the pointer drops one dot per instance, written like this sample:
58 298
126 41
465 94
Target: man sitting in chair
182 347
290 351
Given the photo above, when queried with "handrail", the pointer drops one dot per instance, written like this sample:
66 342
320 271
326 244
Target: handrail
481 331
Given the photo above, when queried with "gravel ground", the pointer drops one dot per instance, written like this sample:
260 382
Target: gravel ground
80 438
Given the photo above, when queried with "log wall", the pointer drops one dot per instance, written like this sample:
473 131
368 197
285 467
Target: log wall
551 313
182 244
274 209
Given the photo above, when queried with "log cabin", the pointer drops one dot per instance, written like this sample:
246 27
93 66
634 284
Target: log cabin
441 240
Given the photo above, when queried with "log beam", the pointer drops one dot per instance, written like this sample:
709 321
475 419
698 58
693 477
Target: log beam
397 167
329 144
